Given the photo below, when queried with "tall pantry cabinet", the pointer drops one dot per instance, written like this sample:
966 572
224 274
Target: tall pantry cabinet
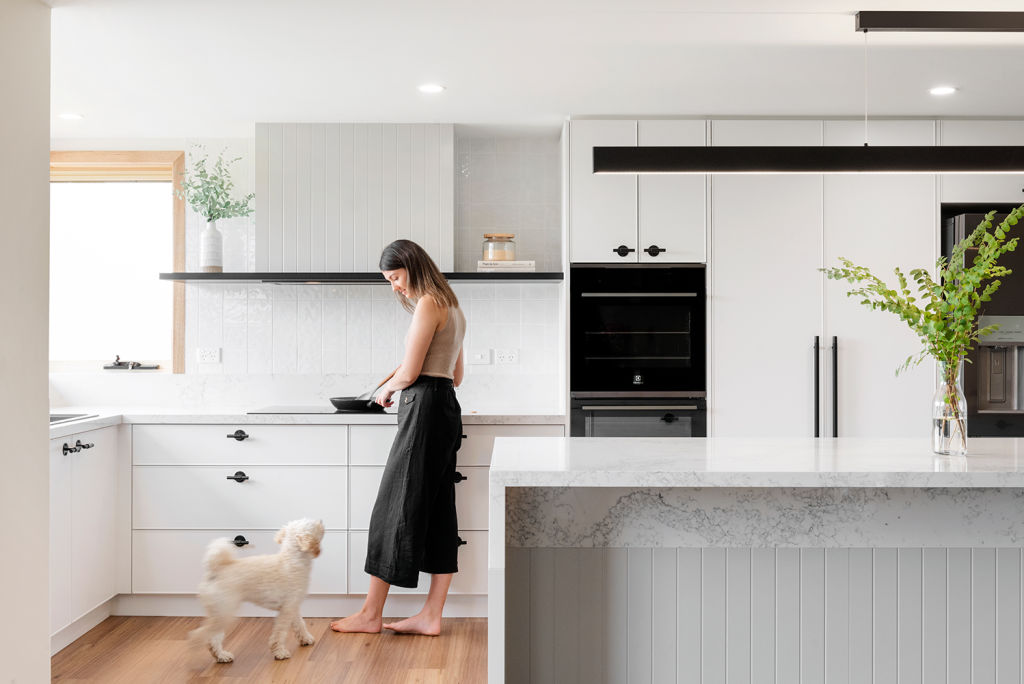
768 300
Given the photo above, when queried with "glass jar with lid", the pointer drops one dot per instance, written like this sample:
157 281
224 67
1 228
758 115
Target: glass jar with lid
499 247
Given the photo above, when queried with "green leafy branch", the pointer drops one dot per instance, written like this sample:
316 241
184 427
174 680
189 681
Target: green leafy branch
209 191
944 312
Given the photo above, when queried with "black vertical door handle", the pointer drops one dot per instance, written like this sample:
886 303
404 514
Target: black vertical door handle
835 386
817 386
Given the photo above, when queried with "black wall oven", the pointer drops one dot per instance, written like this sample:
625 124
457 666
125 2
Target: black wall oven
637 350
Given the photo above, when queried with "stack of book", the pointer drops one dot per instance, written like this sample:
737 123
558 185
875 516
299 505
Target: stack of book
506 266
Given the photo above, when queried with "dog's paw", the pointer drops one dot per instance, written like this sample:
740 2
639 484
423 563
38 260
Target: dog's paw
225 657
282 654
307 640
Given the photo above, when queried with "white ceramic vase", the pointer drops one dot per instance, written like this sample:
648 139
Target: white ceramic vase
211 249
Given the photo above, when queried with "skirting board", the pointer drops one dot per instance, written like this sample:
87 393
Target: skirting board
62 638
399 605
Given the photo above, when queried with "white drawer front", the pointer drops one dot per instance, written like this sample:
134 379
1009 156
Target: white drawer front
479 441
471 578
170 561
203 497
371 444
267 444
470 496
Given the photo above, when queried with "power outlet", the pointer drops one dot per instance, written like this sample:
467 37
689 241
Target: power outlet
208 355
506 357
480 357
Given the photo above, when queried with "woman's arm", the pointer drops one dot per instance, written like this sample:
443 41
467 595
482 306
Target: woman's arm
425 320
458 370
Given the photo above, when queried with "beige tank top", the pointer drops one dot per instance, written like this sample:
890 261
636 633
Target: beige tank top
444 349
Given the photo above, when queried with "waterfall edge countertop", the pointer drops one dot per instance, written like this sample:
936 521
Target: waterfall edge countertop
748 462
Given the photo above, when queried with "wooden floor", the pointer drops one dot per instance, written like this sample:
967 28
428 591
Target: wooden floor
141 650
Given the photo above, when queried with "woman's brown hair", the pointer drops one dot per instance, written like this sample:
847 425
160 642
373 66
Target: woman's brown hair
424 275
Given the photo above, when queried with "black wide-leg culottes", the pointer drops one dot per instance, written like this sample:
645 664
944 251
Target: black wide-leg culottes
413 527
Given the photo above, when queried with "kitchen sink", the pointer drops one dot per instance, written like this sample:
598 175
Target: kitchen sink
65 417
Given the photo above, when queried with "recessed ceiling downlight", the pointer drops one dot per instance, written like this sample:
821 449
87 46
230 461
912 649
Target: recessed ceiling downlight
431 88
942 90
70 116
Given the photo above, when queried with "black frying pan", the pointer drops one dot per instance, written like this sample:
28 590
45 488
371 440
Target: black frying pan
364 403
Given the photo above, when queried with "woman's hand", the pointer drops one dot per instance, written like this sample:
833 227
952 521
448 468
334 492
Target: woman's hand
384 397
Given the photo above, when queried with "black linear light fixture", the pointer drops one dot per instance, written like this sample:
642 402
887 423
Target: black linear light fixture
851 159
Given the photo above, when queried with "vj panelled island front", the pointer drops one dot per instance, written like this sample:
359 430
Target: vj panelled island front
743 560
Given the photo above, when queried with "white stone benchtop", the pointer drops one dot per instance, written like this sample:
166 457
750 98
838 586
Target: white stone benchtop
742 462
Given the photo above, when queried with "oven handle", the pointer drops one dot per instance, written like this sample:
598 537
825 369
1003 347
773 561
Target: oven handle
687 407
638 294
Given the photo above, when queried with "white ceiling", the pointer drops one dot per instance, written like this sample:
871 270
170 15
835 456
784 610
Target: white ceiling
211 68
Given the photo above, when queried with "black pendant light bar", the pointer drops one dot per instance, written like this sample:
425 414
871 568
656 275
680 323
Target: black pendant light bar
940 21
952 159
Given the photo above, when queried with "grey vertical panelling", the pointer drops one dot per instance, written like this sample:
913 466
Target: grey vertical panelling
347 213
1008 614
983 616
403 146
933 615
861 646
812 616
446 195
566 607
517 616
318 198
288 144
884 622
332 198
639 597
389 183
787 615
663 615
360 197
713 571
262 241
593 622
274 198
431 188
542 618
737 592
373 196
958 606
688 615
303 197
908 631
762 616
416 174
837 616
617 616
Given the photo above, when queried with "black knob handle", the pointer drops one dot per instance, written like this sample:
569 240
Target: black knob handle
623 250
239 435
459 477
70 449
462 541
669 418
78 443
464 436
655 250
239 541
238 477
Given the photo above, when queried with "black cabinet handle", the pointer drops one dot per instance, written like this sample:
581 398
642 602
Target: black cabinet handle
817 386
70 449
464 436
623 250
669 418
78 443
461 541
655 250
835 386
238 477
239 541
459 477
239 435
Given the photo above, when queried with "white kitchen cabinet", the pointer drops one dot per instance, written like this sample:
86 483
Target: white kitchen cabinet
227 444
981 187
83 525
470 496
631 211
471 578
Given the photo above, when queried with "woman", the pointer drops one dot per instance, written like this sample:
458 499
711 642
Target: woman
413 526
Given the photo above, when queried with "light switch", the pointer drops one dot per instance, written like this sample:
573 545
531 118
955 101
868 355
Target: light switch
480 357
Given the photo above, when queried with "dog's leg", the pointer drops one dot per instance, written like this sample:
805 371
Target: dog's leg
280 632
219 627
305 638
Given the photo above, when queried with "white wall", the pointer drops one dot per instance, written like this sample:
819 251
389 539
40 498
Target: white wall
24 254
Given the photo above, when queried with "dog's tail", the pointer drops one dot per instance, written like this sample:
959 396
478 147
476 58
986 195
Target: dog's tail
219 553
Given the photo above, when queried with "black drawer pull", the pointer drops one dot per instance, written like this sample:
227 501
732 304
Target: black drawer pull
623 250
462 541
238 477
669 418
655 250
239 435
78 443
239 541
464 436
459 477
70 449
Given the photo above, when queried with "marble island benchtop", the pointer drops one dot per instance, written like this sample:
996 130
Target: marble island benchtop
741 462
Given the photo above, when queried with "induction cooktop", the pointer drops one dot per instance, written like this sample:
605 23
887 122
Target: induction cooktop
305 410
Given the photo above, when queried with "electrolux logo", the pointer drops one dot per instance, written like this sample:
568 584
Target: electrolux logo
638 379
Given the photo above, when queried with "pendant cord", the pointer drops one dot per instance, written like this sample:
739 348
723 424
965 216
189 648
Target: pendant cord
865 88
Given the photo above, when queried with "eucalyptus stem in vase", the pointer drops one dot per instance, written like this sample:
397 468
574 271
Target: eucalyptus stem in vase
944 314
209 193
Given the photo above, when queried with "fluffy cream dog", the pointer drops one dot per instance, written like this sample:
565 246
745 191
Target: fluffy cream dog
277 582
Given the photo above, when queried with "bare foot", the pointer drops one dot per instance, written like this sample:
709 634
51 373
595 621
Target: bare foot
417 624
357 623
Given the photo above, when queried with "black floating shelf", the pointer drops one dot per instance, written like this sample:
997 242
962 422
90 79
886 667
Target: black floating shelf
351 278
